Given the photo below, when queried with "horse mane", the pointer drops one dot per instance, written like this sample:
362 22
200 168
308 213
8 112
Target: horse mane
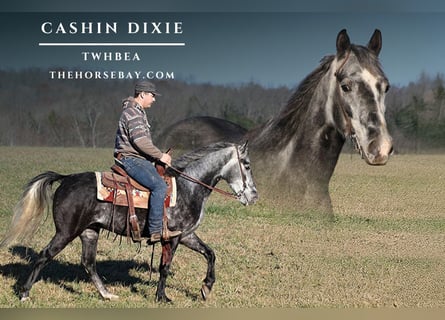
182 162
305 90
280 129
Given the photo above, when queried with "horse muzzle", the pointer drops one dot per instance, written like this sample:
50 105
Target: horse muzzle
248 197
378 152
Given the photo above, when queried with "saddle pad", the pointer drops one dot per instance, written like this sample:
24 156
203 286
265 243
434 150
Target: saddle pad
119 197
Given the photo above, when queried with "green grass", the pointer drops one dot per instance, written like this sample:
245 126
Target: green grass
384 246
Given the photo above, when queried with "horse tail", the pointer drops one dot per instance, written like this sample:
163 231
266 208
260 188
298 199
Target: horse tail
28 213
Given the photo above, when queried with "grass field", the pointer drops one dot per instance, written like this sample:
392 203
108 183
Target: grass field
384 248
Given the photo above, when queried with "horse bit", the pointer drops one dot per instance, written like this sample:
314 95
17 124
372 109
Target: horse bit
349 131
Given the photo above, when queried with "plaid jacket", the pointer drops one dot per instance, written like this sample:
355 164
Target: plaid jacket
133 138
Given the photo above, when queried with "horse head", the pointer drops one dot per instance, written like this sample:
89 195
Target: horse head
238 174
361 89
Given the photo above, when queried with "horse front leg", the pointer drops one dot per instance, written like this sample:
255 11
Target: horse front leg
168 251
193 242
89 238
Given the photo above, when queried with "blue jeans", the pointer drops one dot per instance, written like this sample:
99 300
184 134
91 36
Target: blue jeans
144 172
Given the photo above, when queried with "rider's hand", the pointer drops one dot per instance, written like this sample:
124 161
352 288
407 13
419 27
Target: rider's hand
166 158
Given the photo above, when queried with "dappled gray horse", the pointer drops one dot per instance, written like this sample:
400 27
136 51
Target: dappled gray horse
78 213
343 97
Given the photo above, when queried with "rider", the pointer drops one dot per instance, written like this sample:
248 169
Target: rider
135 152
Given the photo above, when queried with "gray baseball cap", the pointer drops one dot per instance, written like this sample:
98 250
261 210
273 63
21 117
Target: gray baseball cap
146 86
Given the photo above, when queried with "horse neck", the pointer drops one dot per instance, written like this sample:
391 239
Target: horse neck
306 133
207 170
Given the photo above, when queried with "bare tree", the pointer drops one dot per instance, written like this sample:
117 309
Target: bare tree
77 128
439 95
93 116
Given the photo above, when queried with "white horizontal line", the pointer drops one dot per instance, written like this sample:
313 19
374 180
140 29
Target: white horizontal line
111 44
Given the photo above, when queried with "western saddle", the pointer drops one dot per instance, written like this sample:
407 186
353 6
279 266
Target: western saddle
119 179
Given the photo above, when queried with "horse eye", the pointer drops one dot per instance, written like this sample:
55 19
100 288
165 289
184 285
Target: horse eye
387 88
345 88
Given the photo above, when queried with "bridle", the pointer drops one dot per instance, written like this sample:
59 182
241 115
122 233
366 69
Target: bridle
243 176
349 129
223 192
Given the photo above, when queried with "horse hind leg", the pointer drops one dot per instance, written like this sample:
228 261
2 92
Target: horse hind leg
196 244
89 238
57 244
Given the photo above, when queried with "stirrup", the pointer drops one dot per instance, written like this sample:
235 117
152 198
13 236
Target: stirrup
154 238
167 234
136 235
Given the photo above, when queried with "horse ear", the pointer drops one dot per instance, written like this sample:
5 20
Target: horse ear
343 42
375 44
244 147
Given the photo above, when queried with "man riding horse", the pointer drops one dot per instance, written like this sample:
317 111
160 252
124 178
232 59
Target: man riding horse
135 152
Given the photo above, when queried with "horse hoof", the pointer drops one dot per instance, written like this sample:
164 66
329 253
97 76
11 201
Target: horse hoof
205 292
163 299
24 296
110 297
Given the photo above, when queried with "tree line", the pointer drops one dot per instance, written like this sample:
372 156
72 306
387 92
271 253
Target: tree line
37 111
